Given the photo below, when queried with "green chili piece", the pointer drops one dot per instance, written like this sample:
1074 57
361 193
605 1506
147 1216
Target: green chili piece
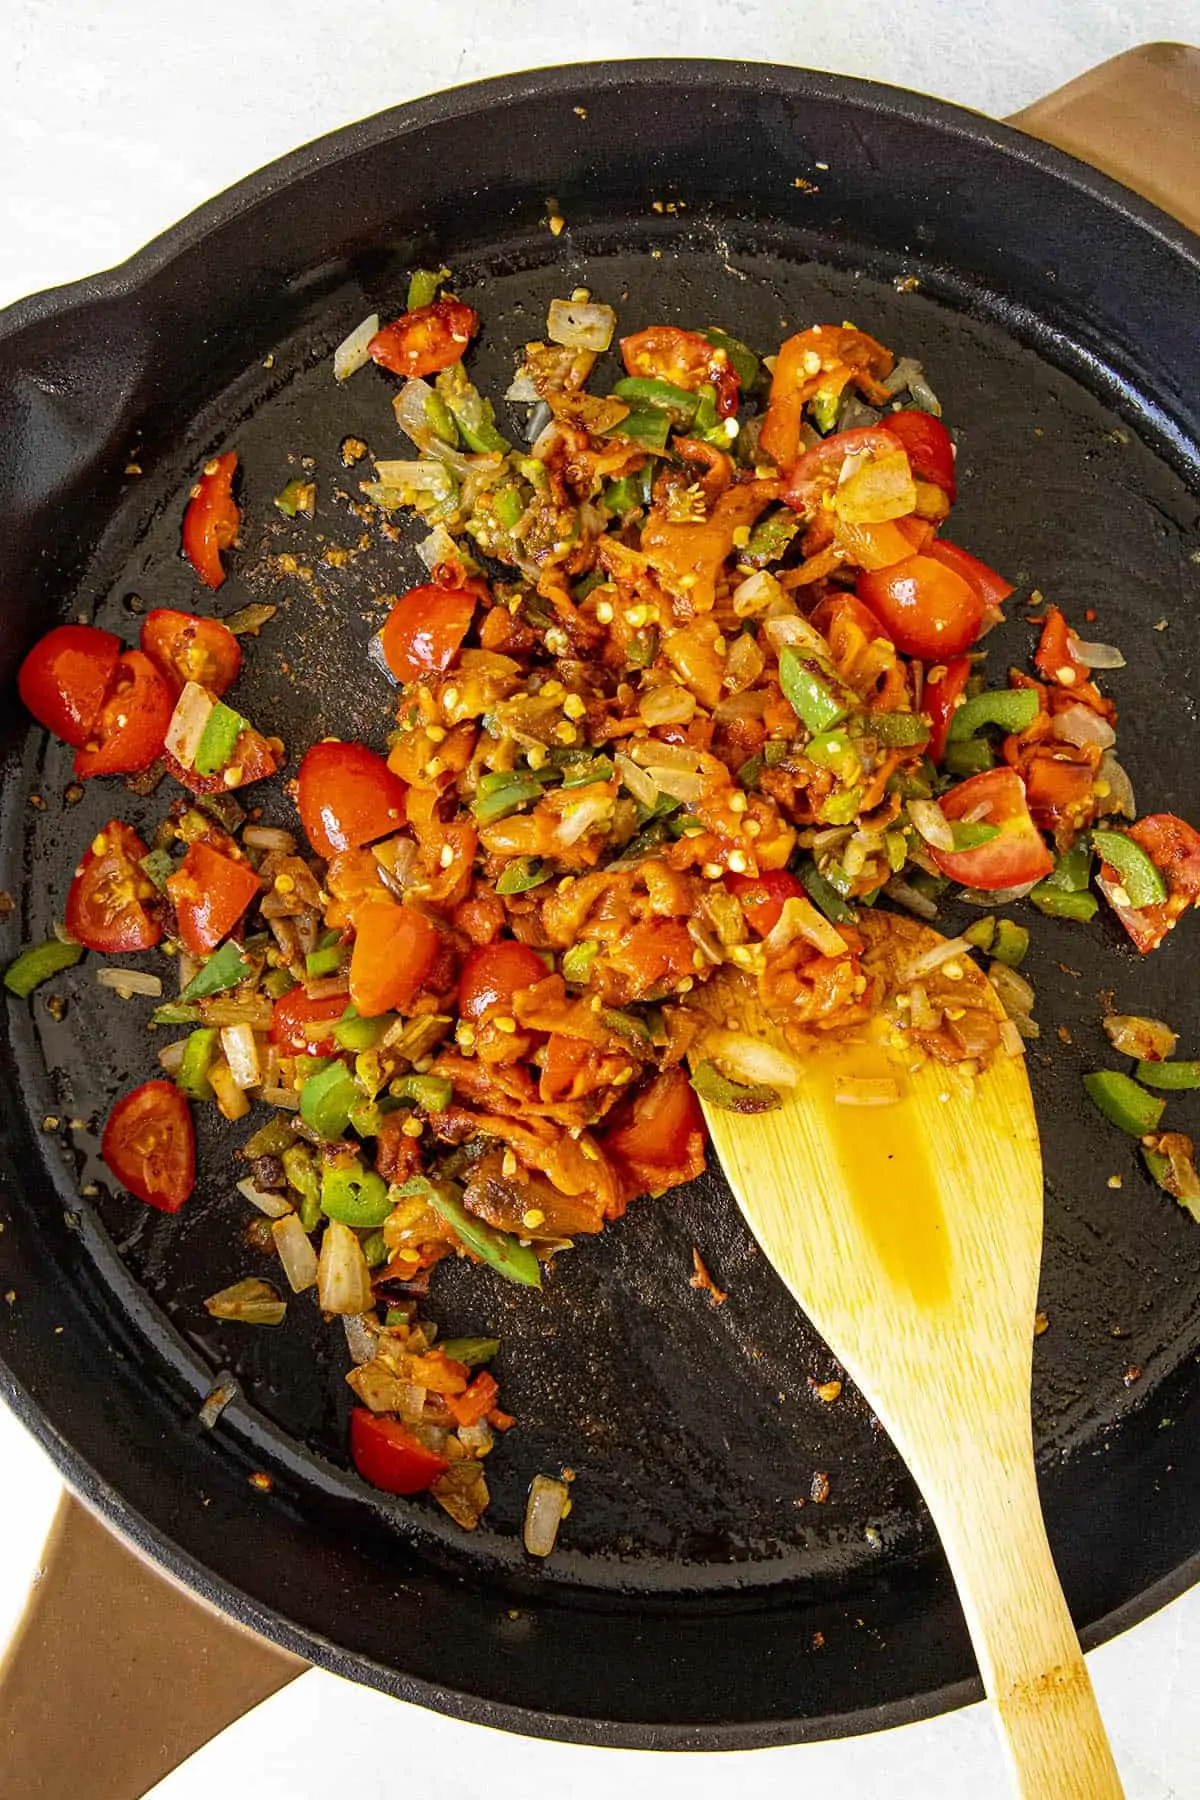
771 537
278 982
1137 874
640 392
299 496
510 1258
577 961
1171 1077
1011 944
432 1093
896 730
706 418
972 756
326 1100
625 1024
402 1313
1123 1102
483 437
742 359
218 740
973 835
841 809
358 1197
1159 1167
37 963
441 419
158 865
225 968
375 1250
469 1350
825 896
522 874
595 768
732 1096
353 1033
749 771
1073 870
303 1177
510 507
1013 709
833 750
271 1139
1062 903
324 962
824 407
173 1012
198 1054
588 583
367 1117
981 934
642 647
812 690
650 428
423 285
508 794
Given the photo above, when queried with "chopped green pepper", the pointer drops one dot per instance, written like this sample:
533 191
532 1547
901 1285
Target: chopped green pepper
37 963
642 647
833 750
824 407
1138 875
198 1053
812 690
299 496
356 1196
510 506
1073 869
1013 709
623 495
523 873
402 1313
301 1175
353 1033
375 1250
972 835
469 1350
771 537
841 809
1012 943
174 1012
271 1139
625 1024
501 793
158 865
367 1117
423 285
593 768
640 392
973 756
510 1258
325 962
1171 1077
225 968
577 961
742 359
326 1100
588 583
218 740
1059 903
432 1093
706 418
825 896
1123 1102
441 419
732 1096
650 428
278 982
895 730
1159 1167
981 933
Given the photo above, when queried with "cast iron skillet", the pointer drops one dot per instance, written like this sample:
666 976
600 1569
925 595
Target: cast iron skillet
700 1598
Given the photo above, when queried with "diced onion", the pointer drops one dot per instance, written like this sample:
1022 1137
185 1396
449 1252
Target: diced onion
538 420
343 1278
581 816
248 1303
929 960
397 859
409 408
792 629
1015 994
275 1206
922 1015
1147 1039
580 327
267 837
755 594
876 490
800 918
544 1513
636 780
748 1059
683 785
438 547
1097 656
170 1057
744 663
127 982
1078 724
910 898
668 704
422 477
241 1053
224 1392
478 1439
990 897
361 1341
1011 1039
287 1099
1120 798
523 388
932 823
351 353
187 723
666 756
865 1090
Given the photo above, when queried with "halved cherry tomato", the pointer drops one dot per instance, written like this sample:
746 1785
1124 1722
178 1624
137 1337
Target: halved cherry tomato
185 648
943 692
816 473
211 521
255 758
685 359
1017 855
390 1456
929 446
1059 780
395 950
925 608
1055 657
106 902
425 340
150 1146
762 896
1174 849
65 677
659 1142
293 1011
493 973
991 588
347 797
840 355
424 631
128 731
210 892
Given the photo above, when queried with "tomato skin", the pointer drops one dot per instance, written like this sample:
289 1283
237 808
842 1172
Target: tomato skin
390 1456
64 678
1018 855
106 901
186 648
816 472
991 588
128 731
294 1010
660 1142
150 1147
212 519
926 608
395 950
493 973
424 631
210 892
684 358
850 355
940 700
1174 848
762 896
347 797
1055 657
425 340
1058 785
929 446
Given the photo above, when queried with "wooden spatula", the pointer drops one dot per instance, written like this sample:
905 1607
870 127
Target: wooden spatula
910 1231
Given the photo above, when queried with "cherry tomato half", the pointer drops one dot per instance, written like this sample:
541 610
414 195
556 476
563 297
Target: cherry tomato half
685 359
991 588
390 1456
210 892
929 446
395 950
425 629
660 1141
211 521
493 973
1174 849
816 473
106 902
150 1146
1016 855
347 797
128 731
925 608
185 648
425 340
293 1011
65 677
762 896
940 700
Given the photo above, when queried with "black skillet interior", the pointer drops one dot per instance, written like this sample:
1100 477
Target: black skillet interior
700 1597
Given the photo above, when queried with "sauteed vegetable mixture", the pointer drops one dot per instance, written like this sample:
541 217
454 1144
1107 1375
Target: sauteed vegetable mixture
695 676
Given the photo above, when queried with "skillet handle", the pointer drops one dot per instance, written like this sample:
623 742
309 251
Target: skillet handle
1137 118
116 1675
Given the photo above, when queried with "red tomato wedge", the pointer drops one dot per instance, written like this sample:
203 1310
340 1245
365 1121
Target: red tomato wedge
185 648
660 1140
929 446
823 357
425 340
1174 848
944 688
106 902
991 588
210 892
211 521
294 1011
395 950
150 1146
424 630
816 473
347 797
390 1456
128 731
762 896
1055 657
255 758
926 608
65 677
685 359
493 973
1016 855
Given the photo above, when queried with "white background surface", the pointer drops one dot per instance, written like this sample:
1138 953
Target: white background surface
117 118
